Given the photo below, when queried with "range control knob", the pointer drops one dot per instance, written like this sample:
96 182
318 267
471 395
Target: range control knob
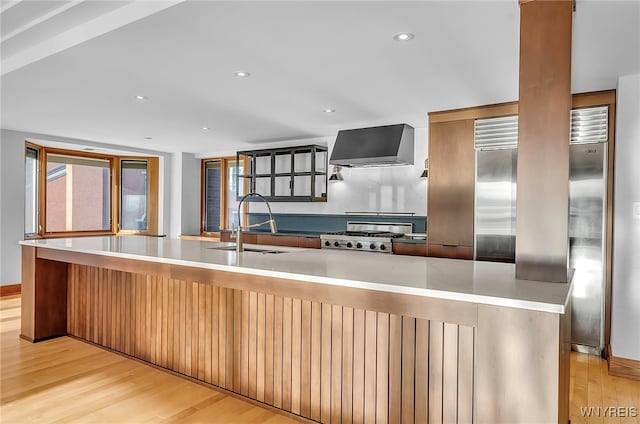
372 246
336 244
383 247
349 244
359 245
327 243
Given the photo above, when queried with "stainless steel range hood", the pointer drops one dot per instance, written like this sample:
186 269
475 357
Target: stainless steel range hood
375 146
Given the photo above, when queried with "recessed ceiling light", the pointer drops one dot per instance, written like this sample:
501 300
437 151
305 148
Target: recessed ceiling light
242 74
328 110
403 36
206 128
141 97
148 138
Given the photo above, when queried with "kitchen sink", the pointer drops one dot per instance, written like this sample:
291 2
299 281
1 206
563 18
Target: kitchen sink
249 249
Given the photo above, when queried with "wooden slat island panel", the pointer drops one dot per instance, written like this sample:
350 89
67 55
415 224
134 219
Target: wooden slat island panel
188 327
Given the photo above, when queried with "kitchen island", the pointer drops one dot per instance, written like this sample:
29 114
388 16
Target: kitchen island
330 336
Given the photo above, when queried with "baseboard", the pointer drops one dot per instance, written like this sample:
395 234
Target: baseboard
622 367
10 290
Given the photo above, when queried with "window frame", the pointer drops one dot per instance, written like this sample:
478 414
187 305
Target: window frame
37 187
43 189
114 192
224 166
152 194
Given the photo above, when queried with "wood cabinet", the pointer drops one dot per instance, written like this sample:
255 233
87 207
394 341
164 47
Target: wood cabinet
309 242
410 249
451 187
271 240
451 251
274 240
246 237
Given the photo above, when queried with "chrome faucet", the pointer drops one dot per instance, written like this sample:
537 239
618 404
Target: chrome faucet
239 229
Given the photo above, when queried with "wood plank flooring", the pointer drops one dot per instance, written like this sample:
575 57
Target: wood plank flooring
66 380
592 386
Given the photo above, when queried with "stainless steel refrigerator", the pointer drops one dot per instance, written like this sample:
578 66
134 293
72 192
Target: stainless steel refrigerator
495 211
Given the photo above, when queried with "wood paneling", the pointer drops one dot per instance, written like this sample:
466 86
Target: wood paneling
322 361
436 342
28 292
370 365
347 365
450 373
395 368
422 372
451 183
543 131
408 369
476 112
511 108
44 297
500 333
112 385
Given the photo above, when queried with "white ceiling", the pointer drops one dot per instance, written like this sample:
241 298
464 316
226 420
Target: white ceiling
73 68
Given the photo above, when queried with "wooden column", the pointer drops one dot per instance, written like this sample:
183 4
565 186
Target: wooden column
543 140
44 297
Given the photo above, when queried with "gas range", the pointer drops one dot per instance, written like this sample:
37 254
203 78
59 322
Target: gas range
366 236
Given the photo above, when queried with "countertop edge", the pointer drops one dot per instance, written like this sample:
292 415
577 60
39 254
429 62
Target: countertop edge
436 294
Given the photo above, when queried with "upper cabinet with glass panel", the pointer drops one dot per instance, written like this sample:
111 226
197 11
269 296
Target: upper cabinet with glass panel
291 174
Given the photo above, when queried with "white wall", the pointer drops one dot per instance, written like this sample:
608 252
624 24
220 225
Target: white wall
379 189
625 302
185 195
190 199
12 193
12 206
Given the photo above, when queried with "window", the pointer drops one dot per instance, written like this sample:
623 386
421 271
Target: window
31 227
71 193
232 192
213 196
77 193
133 195
219 194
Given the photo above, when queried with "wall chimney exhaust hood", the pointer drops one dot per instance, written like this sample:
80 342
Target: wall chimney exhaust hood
375 146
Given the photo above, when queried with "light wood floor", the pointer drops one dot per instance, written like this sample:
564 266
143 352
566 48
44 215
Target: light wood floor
591 385
66 380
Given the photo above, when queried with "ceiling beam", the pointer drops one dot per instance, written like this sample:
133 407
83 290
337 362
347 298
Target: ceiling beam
40 19
6 5
101 25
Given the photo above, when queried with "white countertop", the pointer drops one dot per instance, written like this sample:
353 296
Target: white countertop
468 281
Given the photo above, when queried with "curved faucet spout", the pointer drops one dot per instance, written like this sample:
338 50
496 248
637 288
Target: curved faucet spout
240 228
